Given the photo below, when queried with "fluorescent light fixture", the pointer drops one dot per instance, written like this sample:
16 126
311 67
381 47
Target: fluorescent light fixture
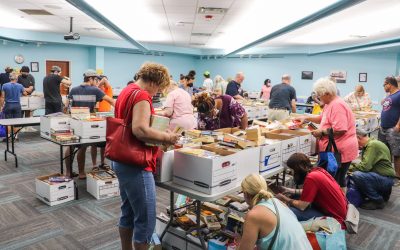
259 18
135 18
372 19
14 21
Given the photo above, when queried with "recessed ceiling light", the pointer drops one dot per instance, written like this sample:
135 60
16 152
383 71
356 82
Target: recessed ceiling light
51 6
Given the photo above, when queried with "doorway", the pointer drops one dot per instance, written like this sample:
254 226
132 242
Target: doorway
64 65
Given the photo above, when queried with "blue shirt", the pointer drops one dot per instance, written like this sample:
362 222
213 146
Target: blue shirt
86 96
390 111
188 89
234 89
282 96
12 92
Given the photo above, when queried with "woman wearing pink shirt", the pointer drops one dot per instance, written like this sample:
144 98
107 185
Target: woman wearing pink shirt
266 90
179 108
338 116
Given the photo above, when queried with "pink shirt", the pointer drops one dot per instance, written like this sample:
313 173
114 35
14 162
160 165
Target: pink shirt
266 92
338 115
181 103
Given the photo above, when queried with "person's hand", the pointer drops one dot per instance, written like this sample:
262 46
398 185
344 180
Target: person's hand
282 197
287 191
173 138
300 119
317 133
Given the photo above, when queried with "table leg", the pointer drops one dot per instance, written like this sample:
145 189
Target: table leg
8 147
171 216
284 176
198 227
71 158
12 145
61 160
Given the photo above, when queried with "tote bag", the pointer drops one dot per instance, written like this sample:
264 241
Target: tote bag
3 130
330 160
122 146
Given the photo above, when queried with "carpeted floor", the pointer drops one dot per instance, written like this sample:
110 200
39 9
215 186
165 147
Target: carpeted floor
27 223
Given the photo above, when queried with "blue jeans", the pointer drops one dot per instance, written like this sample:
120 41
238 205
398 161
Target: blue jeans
373 186
138 195
307 214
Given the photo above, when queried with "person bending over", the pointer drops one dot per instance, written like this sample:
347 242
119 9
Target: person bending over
374 175
261 221
320 196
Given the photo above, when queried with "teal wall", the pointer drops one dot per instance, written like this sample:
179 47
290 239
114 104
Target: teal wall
256 70
120 67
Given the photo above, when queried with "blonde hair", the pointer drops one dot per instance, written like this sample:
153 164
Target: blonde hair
325 86
360 89
13 76
255 186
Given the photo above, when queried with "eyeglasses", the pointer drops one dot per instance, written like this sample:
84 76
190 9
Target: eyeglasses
385 84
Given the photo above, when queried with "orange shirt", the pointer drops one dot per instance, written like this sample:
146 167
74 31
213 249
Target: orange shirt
104 106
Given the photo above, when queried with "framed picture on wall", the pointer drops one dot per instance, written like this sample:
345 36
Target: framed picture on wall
307 75
339 75
362 77
34 67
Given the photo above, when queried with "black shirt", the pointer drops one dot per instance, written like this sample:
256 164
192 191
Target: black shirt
4 78
234 89
51 88
282 96
27 81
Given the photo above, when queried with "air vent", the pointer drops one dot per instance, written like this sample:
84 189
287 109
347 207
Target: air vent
201 34
211 10
36 12
197 44
183 23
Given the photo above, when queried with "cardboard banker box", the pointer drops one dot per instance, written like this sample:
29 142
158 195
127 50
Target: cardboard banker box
54 193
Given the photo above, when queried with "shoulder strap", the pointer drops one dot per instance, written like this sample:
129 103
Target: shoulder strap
129 106
331 142
271 245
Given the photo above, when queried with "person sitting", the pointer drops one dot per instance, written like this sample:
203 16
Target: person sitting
320 196
374 175
219 112
359 99
262 219
179 108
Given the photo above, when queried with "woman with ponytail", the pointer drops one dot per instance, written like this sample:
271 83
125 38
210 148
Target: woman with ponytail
269 224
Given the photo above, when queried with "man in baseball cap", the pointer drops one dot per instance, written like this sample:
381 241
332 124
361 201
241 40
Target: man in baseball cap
208 83
51 90
85 95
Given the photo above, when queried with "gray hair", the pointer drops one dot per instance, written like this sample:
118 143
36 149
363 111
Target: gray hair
286 77
361 132
13 76
218 79
325 86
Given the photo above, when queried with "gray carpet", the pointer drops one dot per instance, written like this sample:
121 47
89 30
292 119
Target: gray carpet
27 223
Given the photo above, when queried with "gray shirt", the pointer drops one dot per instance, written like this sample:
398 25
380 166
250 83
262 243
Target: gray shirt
282 96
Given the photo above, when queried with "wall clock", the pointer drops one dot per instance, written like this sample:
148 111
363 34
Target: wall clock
19 59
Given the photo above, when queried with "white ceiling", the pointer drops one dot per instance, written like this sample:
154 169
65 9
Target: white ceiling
12 17
173 22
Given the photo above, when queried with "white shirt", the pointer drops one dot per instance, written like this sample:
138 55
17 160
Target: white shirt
208 84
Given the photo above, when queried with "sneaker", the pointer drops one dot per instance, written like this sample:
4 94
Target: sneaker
386 196
373 205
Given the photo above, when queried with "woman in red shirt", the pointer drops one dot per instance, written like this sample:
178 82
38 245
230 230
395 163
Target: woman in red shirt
136 183
320 196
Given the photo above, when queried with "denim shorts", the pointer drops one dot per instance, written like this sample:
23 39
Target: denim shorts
12 110
392 139
138 200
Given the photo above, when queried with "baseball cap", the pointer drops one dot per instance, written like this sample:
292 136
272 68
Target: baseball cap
55 68
90 72
206 73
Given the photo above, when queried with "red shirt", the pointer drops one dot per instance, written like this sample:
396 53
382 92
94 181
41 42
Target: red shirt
121 106
324 193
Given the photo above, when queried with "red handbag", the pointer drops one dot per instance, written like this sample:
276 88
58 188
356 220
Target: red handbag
122 146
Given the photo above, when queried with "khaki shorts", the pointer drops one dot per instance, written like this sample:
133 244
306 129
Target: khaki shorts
278 114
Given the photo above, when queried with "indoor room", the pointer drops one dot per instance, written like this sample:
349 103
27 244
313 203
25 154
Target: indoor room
199 124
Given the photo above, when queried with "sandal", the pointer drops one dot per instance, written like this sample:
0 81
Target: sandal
104 166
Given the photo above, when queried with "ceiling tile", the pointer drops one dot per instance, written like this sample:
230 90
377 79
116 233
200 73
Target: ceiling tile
216 4
180 2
